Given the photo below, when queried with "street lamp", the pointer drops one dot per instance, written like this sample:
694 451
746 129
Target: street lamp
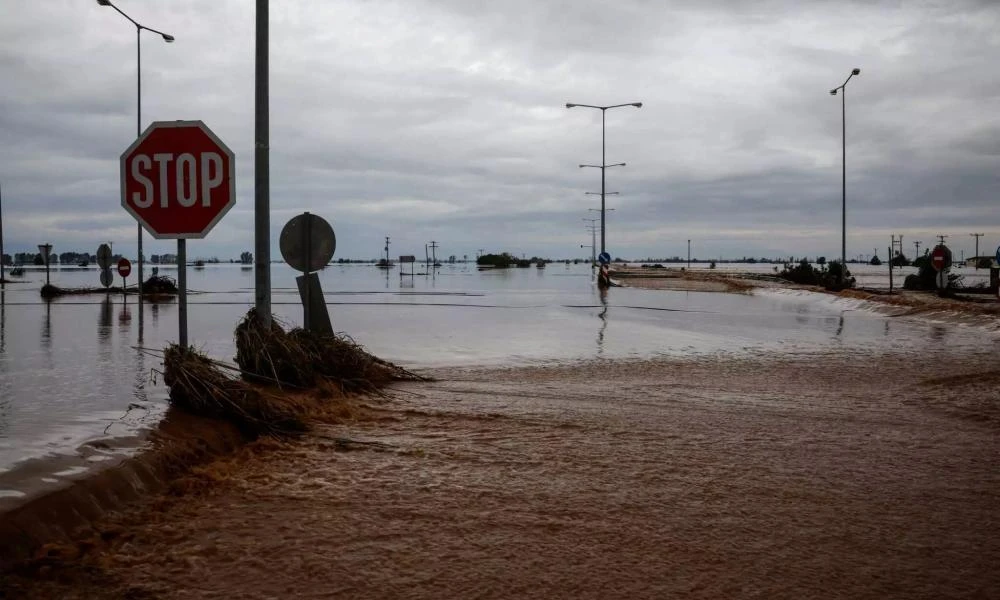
138 114
603 165
843 109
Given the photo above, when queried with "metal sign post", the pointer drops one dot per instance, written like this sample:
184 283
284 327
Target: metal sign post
307 244
45 250
104 262
182 299
124 268
178 179
941 261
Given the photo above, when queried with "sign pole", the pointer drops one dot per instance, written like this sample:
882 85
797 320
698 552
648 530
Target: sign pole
182 301
306 235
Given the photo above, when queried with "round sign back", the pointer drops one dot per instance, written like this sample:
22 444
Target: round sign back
104 256
106 277
307 242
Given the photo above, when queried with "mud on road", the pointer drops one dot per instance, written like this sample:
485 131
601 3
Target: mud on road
825 476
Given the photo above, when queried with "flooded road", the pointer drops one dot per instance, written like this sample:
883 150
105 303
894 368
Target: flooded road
820 475
73 386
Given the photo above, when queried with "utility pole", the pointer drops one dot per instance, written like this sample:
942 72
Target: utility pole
689 255
387 251
917 250
897 242
976 259
941 239
434 246
593 240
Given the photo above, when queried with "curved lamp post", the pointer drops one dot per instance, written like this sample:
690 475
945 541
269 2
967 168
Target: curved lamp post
843 182
138 92
603 165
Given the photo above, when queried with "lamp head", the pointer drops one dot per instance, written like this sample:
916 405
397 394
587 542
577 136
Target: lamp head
167 38
104 2
856 71
637 104
833 92
570 105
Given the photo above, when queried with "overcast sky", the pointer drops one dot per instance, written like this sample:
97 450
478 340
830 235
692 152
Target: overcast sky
445 120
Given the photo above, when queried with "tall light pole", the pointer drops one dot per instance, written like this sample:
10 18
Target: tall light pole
843 176
138 113
603 165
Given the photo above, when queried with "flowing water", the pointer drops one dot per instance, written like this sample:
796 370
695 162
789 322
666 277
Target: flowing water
74 391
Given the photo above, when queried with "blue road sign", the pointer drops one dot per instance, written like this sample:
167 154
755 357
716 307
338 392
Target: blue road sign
605 258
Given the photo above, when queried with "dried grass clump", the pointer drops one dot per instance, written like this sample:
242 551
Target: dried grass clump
50 291
159 284
199 386
306 359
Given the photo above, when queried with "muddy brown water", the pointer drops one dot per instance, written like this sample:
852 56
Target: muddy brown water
820 476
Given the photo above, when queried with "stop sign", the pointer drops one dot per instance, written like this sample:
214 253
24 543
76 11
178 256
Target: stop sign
940 257
178 179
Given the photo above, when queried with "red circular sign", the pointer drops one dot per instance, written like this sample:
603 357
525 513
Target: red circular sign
124 267
178 179
940 257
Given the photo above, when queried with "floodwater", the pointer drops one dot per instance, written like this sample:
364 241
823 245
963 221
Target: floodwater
821 476
782 444
74 390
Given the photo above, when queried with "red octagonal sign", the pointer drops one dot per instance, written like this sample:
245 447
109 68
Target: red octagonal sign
178 179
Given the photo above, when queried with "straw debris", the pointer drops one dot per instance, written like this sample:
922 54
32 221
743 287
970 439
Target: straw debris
199 386
307 359
159 284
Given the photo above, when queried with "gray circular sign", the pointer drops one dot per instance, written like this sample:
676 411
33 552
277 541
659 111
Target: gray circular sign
307 242
104 256
106 277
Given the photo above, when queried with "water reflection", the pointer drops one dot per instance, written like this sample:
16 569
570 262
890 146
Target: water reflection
125 316
603 315
47 327
104 321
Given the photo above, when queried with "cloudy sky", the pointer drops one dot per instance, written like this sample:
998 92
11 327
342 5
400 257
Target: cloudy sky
445 120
